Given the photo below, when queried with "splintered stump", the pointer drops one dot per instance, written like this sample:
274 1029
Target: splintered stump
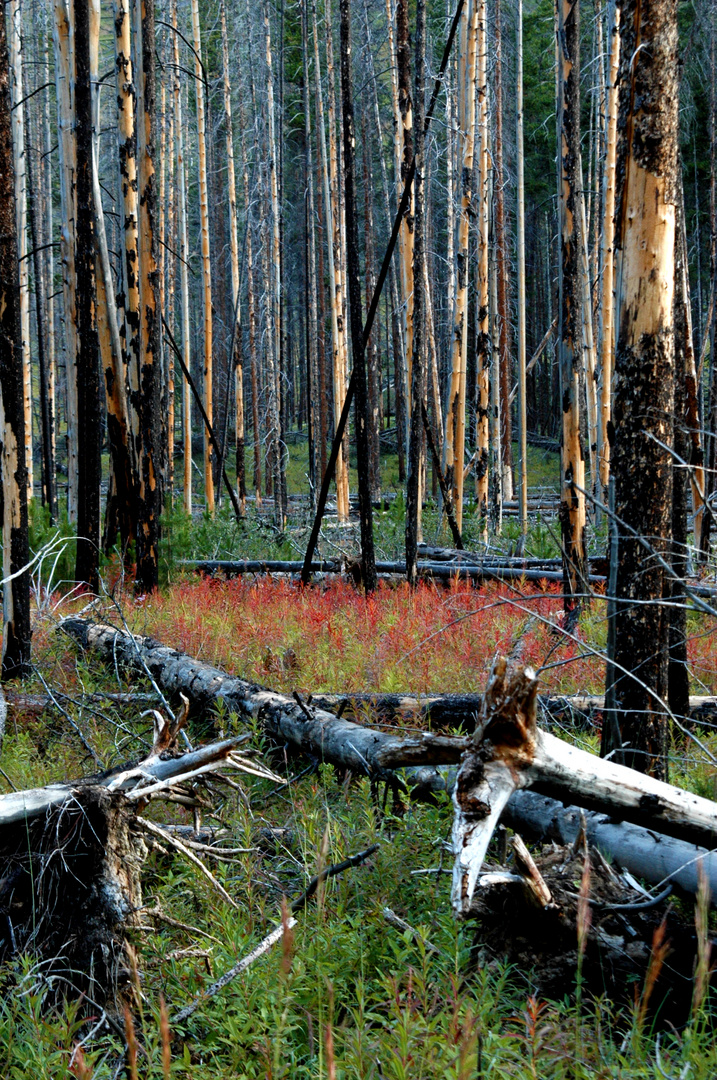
70 889
537 931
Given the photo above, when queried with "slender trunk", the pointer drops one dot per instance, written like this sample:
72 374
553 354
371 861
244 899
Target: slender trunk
520 209
368 560
251 311
234 252
607 311
405 106
329 161
120 499
48 236
88 367
483 340
373 362
49 495
184 288
206 260
502 269
415 447
67 147
572 506
711 329
16 553
149 503
456 408
18 134
313 405
273 285
642 464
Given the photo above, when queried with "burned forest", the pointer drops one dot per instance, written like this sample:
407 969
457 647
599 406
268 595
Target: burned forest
358 481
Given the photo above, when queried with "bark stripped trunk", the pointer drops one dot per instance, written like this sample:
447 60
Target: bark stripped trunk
644 375
522 359
199 77
236 359
607 311
16 592
16 50
273 286
149 502
313 405
184 293
120 497
483 340
502 270
329 163
572 507
49 492
405 108
456 406
368 558
418 367
88 366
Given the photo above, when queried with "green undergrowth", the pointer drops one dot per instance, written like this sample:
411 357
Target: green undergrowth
350 996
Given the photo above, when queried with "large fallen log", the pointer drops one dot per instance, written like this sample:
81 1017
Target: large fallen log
507 750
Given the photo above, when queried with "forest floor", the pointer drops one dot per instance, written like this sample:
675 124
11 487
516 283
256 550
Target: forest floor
349 995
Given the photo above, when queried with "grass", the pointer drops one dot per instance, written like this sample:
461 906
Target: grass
352 997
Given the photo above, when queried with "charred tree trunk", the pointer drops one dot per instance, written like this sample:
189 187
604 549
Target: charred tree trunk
644 376
89 415
149 503
16 592
368 558
418 366
572 507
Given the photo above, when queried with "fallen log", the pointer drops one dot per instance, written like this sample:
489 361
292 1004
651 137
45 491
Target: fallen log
441 571
444 711
507 750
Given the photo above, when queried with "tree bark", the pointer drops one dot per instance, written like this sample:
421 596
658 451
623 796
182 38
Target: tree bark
199 77
418 367
368 559
644 375
572 507
89 415
149 503
16 553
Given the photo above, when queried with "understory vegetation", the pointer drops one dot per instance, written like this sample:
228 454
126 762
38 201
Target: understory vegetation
349 993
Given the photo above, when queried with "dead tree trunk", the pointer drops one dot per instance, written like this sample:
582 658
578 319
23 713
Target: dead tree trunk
368 558
644 377
149 503
418 366
572 508
16 590
89 413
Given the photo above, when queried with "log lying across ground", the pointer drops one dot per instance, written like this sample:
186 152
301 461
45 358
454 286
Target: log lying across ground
441 571
442 711
507 751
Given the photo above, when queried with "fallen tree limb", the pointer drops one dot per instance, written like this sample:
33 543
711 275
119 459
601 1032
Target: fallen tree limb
441 571
460 710
507 745
307 729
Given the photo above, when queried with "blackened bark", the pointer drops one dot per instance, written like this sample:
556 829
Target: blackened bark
149 503
368 558
644 374
13 492
89 415
46 417
418 368
572 506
